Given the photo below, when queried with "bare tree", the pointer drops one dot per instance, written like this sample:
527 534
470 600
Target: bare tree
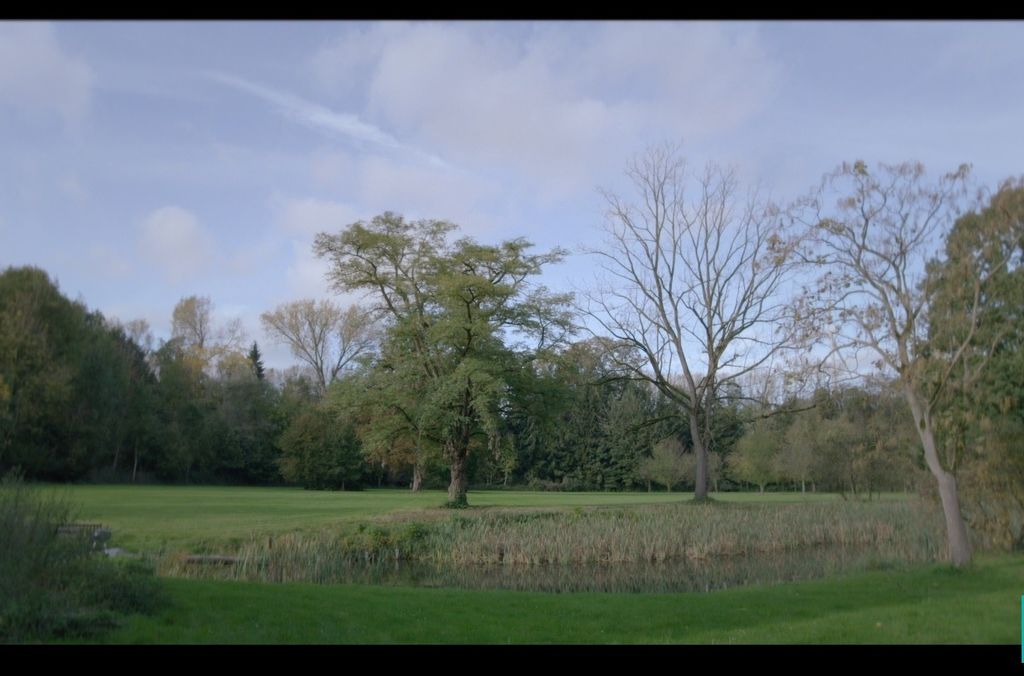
875 233
700 290
323 335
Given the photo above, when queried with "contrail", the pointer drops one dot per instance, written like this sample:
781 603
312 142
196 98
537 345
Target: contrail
321 118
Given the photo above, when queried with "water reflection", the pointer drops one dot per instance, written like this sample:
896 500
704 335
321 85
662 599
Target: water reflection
675 576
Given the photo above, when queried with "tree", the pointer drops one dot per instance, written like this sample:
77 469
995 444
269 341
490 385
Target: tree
204 346
698 290
979 413
450 308
321 451
875 232
796 457
754 459
256 361
324 336
190 322
666 465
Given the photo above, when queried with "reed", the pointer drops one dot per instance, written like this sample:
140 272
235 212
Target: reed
586 538
53 584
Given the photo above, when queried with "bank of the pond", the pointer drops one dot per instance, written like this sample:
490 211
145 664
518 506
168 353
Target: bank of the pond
210 518
648 548
926 604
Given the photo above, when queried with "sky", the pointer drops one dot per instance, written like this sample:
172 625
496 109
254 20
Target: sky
144 162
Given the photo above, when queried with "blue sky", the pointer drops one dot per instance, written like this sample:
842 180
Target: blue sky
143 162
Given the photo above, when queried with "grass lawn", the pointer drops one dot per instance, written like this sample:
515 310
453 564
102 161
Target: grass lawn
905 604
930 604
202 518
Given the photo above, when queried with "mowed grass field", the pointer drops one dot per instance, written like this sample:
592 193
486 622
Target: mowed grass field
928 604
201 518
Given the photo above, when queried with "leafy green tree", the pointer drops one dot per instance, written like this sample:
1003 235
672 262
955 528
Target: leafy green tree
754 460
458 316
666 465
801 445
978 309
321 451
63 372
183 406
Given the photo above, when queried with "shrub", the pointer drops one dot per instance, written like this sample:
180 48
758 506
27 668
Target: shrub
56 586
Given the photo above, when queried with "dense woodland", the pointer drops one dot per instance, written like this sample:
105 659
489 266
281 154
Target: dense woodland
456 360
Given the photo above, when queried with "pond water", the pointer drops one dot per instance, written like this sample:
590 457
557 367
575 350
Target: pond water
673 576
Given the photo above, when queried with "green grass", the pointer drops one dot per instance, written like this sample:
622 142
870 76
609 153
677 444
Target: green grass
930 604
52 584
905 604
205 518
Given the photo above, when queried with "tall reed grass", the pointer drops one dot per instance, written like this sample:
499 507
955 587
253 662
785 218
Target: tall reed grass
589 539
56 586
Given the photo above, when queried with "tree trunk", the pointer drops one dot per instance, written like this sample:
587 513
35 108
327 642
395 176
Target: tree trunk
459 482
700 488
417 476
135 464
117 452
457 488
956 528
958 543
803 486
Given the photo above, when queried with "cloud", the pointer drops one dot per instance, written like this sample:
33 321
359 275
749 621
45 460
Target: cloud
420 192
36 75
558 103
309 216
323 119
174 241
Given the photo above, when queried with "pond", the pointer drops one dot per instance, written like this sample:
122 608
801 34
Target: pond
663 577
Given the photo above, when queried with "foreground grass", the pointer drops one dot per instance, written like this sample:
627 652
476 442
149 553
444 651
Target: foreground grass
930 604
206 518
52 584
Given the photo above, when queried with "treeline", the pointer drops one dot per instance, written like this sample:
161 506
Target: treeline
84 397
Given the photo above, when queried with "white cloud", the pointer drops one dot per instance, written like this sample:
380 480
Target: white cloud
309 216
35 74
421 192
556 102
174 241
